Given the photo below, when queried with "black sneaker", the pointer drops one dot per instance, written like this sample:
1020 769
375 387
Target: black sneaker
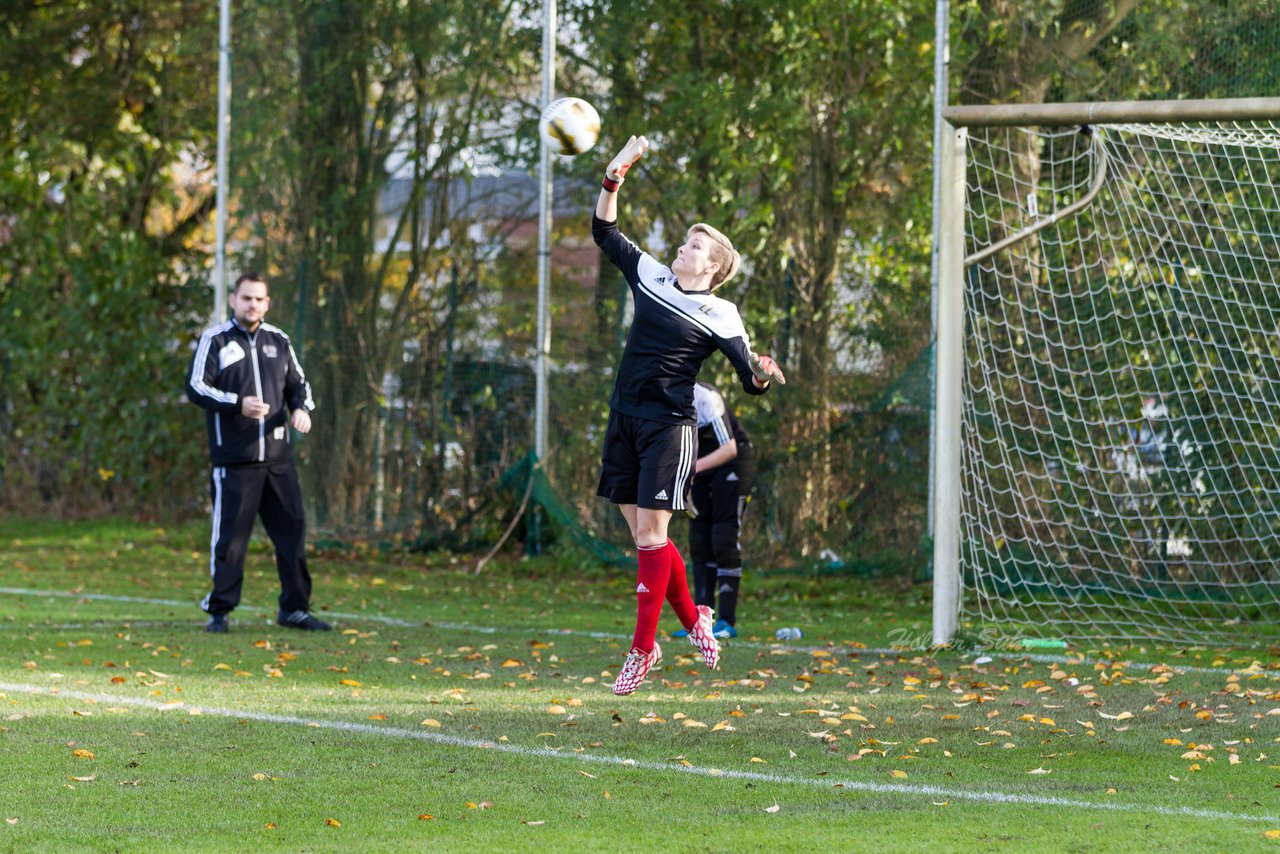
217 624
302 620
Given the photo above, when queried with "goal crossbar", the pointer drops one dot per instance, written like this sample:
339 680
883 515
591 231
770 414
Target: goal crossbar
1138 112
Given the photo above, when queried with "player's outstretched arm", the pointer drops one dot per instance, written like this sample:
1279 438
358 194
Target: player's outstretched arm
615 174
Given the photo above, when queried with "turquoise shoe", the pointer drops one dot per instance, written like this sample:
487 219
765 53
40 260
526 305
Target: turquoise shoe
680 633
722 630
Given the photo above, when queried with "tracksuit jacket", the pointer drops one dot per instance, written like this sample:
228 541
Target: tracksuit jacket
230 364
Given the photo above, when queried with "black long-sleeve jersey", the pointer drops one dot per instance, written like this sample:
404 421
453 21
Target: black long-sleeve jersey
672 334
230 364
716 422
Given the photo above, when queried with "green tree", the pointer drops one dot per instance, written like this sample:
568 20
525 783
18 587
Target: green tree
342 99
104 113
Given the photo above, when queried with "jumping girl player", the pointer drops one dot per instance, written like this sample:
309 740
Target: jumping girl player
650 445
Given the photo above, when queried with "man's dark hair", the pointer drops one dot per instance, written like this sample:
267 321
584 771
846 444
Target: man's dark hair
248 277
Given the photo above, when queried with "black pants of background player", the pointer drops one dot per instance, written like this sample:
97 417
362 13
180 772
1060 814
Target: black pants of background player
240 494
720 497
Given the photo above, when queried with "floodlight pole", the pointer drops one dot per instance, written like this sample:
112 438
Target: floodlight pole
941 60
224 126
543 352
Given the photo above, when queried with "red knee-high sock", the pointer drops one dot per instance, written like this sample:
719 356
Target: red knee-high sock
651 585
678 589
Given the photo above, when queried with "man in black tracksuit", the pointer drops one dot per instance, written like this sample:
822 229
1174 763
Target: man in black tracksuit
246 377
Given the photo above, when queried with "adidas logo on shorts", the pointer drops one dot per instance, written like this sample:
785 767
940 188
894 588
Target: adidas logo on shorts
661 496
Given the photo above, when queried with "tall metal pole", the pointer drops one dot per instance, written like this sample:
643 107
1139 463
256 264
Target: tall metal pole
533 542
224 126
544 237
941 60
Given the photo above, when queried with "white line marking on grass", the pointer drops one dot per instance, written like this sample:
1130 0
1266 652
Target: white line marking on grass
142 600
490 630
982 795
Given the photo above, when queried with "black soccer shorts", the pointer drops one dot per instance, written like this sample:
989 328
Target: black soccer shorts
647 463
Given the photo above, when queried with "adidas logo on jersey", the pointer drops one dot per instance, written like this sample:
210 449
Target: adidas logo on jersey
732 476
640 588
661 496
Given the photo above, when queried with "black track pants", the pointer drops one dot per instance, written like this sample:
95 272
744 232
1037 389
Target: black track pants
241 493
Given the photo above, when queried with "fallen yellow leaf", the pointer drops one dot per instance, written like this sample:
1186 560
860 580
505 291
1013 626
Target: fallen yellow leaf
332 822
81 753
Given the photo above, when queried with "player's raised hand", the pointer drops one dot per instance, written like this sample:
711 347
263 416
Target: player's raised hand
623 160
765 369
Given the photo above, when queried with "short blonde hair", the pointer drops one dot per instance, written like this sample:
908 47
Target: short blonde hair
721 251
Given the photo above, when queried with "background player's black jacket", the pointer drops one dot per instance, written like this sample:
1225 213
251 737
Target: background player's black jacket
717 423
230 364
672 334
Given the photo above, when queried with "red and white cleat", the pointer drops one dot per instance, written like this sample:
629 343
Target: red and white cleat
634 669
702 636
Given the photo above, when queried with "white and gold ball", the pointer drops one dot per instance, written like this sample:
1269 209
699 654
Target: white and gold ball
570 126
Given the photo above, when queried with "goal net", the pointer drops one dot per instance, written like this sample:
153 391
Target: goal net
1119 444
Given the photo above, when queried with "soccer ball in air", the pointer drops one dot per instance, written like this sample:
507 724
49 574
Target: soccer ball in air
569 126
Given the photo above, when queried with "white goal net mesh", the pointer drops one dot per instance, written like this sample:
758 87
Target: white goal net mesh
1121 428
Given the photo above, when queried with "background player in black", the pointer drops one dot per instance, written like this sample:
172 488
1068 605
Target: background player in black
650 446
246 377
724 476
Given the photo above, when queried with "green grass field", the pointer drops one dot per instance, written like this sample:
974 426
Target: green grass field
453 712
